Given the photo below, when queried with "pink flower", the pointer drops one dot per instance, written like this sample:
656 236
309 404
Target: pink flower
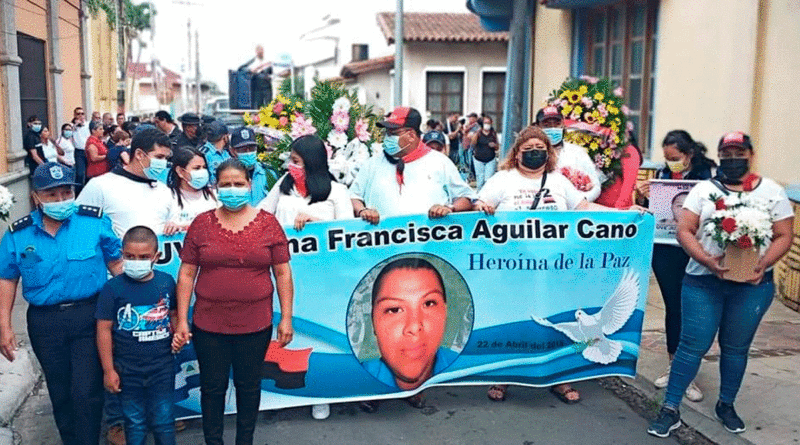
587 103
302 127
602 110
328 149
618 91
283 121
629 126
341 121
277 108
625 110
256 118
590 79
362 132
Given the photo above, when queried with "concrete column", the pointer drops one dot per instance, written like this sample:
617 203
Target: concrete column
86 68
54 61
9 87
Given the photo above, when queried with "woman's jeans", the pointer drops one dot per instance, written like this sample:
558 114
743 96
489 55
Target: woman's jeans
484 171
669 266
711 305
216 354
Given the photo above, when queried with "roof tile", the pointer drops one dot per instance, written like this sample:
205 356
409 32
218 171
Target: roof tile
438 27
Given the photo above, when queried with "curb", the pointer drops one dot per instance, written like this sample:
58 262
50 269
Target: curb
17 380
709 427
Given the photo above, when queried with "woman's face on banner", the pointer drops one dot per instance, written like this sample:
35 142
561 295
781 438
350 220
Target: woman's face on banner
677 205
409 317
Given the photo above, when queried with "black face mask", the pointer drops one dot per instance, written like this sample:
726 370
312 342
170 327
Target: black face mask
534 159
733 169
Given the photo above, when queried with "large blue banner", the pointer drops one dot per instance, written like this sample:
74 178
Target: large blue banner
384 311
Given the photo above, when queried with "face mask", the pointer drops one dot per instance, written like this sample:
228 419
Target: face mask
156 168
59 211
554 134
391 145
298 173
36 128
67 134
676 166
487 127
199 178
734 168
534 159
137 269
233 198
249 159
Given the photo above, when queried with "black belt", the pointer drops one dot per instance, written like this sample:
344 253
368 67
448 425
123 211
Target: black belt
68 305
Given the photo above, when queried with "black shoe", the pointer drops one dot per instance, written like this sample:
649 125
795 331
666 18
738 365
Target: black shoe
369 406
667 421
730 420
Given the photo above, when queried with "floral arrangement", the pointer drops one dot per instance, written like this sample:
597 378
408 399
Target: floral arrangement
7 200
579 179
596 119
279 114
740 220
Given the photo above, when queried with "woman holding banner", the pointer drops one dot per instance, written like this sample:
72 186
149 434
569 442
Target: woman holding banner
686 160
528 180
711 302
230 252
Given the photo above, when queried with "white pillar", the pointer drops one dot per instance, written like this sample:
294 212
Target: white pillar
86 66
9 86
55 93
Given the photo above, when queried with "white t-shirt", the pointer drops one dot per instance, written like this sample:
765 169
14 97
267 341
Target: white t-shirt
194 203
509 190
286 207
700 203
69 150
575 157
50 152
129 202
430 180
79 136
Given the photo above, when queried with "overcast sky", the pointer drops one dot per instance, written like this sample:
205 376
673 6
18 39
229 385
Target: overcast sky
230 29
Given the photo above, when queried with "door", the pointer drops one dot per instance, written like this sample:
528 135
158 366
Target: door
33 80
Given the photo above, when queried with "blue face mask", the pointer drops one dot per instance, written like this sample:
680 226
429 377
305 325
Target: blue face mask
67 134
199 178
554 134
36 128
249 159
59 211
233 198
137 269
391 145
156 169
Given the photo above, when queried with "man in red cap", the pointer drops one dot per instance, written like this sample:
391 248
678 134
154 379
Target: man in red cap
409 178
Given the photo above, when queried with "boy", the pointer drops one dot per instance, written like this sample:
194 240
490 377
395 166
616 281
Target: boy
138 364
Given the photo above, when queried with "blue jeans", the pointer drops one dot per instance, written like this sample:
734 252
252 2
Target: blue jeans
710 305
484 171
147 402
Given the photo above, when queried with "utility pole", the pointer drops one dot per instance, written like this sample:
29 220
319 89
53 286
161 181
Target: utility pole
185 91
122 58
197 67
398 54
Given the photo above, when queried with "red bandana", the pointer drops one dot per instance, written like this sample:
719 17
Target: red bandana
421 150
749 181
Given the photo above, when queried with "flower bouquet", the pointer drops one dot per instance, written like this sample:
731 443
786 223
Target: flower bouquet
7 200
579 179
596 119
741 225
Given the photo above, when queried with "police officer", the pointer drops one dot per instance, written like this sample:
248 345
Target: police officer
61 251
216 148
435 140
244 147
190 124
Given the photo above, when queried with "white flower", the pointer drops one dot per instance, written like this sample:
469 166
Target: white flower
336 139
732 200
341 104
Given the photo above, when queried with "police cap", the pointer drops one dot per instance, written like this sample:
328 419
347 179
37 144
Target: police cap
52 174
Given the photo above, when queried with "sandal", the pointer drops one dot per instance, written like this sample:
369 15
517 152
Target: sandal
563 395
417 401
497 393
369 406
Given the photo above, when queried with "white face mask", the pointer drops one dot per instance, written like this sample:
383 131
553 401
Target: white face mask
487 127
137 269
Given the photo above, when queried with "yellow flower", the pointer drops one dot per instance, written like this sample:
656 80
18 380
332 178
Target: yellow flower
578 110
247 119
574 97
607 151
599 96
298 104
611 102
594 146
601 120
616 139
566 110
583 90
613 110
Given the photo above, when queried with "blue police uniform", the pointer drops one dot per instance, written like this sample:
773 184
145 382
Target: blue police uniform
259 184
213 159
61 277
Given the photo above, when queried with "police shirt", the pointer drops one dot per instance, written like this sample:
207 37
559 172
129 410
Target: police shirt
259 184
213 159
69 266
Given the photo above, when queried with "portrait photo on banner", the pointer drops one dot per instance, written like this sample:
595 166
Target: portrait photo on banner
666 204
409 318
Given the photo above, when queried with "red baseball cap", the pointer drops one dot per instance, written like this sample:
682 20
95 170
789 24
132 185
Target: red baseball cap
402 117
735 139
548 112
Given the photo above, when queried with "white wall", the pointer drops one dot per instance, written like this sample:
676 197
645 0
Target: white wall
377 88
552 49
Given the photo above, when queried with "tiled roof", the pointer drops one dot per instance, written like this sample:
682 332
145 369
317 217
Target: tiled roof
438 27
353 69
145 70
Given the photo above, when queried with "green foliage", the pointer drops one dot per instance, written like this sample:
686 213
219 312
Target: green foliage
286 87
320 108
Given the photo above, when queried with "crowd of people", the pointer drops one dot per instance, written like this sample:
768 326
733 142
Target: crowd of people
104 191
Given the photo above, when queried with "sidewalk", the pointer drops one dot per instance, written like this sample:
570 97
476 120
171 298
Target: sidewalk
17 378
767 401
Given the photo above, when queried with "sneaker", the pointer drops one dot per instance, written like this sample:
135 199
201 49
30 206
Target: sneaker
116 435
730 420
693 393
663 380
667 421
321 412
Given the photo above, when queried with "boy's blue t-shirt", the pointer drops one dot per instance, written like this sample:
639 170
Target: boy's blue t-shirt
140 312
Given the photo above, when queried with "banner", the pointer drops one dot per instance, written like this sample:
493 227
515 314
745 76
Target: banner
384 311
666 204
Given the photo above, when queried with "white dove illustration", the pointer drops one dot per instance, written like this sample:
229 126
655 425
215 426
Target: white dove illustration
592 329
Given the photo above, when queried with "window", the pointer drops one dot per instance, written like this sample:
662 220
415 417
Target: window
494 85
620 43
32 79
445 94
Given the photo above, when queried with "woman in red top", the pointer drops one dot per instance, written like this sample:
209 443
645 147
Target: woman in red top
230 252
96 151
